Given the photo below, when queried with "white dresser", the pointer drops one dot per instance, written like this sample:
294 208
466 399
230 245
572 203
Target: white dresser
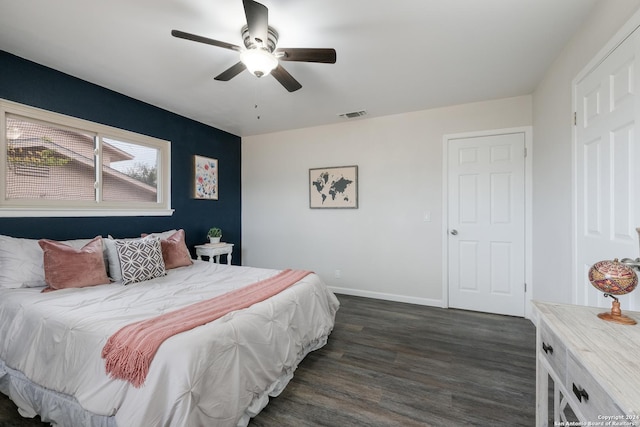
594 365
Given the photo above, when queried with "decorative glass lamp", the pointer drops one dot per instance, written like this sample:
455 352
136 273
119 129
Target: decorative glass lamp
614 278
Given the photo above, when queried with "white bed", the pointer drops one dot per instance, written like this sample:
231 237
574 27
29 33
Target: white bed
218 374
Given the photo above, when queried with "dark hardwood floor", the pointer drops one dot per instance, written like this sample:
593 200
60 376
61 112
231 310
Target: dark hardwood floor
394 364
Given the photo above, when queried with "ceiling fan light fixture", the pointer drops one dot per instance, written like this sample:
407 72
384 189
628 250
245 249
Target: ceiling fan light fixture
258 61
259 54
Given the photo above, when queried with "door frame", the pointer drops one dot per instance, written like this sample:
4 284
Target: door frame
528 161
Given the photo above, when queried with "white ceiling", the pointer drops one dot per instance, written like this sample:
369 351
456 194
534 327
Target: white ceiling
393 56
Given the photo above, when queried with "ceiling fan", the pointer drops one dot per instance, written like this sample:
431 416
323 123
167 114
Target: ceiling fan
260 55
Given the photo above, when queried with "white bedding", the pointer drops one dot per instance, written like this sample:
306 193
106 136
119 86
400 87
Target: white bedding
208 376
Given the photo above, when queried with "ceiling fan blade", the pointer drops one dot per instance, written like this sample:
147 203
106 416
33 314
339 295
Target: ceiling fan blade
285 79
257 21
326 56
200 39
231 72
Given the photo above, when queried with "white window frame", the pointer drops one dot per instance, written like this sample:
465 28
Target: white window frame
66 208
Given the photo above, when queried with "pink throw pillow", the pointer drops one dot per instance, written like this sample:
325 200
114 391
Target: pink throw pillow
66 267
174 250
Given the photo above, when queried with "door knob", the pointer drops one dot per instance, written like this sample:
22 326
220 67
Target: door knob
454 232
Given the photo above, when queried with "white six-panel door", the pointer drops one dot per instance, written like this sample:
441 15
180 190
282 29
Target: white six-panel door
607 175
486 223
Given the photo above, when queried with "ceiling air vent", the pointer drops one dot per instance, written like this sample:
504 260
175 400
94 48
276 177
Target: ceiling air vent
353 114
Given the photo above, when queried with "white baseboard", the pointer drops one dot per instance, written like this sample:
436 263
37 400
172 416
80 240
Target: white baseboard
389 297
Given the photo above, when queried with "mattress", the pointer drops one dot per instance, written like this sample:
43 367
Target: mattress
220 373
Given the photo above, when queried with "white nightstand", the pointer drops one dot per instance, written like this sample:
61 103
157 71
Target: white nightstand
214 251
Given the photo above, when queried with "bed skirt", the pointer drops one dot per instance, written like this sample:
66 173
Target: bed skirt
56 408
62 410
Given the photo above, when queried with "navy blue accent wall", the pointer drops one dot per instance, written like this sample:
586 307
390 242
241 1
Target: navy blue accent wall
32 84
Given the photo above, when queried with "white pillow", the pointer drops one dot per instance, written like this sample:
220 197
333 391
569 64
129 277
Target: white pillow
113 263
21 261
164 235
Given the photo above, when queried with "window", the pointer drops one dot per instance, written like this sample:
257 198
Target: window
55 165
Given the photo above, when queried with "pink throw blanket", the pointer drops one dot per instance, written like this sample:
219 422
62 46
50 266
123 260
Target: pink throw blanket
128 352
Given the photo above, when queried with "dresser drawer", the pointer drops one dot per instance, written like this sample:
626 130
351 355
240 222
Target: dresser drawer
591 400
553 350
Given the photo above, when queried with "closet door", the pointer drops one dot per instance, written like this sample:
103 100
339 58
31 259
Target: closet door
607 160
486 223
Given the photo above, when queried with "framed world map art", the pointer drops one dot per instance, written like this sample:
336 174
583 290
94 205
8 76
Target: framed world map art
205 184
333 187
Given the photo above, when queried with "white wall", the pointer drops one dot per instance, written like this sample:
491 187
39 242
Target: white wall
384 248
552 157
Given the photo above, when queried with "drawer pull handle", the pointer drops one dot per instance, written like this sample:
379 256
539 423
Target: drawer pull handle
580 393
547 348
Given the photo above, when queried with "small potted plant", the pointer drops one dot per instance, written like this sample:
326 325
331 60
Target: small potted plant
214 234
